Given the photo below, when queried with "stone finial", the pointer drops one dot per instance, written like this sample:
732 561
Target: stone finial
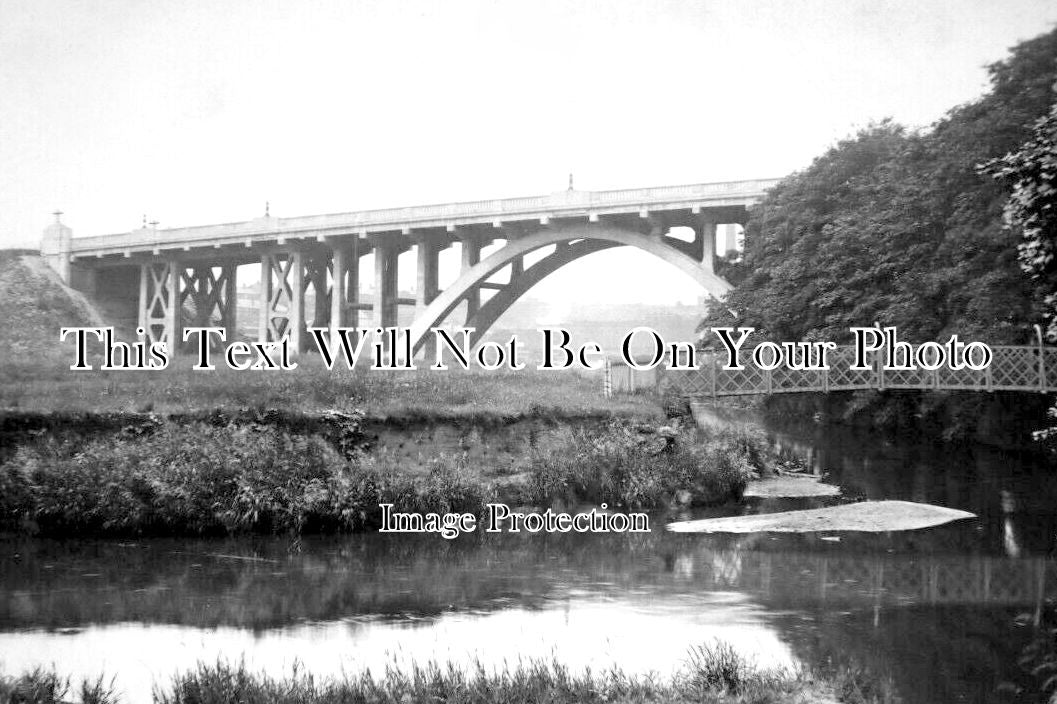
267 209
570 181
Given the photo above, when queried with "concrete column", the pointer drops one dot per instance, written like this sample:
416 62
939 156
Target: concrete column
471 256
352 284
338 266
705 243
316 270
345 290
265 298
385 292
201 295
230 306
428 270
296 320
173 324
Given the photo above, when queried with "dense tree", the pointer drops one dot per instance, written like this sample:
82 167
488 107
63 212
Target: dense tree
1031 210
900 227
904 228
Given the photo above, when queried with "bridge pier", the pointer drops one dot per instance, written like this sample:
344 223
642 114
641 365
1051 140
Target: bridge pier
705 243
427 283
282 297
159 302
345 303
213 297
471 256
386 256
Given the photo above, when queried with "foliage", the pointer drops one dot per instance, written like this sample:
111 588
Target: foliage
203 479
630 467
902 228
46 687
899 227
528 681
1031 211
714 674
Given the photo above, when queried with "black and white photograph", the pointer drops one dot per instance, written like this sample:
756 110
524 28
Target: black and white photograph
405 352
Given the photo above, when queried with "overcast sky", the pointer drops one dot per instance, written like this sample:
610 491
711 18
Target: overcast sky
198 111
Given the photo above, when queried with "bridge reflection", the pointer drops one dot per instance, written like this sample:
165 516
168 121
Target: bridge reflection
791 579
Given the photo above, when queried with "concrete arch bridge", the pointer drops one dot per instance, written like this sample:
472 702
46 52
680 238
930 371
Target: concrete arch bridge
166 279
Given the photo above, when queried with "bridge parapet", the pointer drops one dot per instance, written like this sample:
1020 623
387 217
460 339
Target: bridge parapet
693 197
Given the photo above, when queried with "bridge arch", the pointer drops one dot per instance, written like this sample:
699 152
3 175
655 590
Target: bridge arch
571 242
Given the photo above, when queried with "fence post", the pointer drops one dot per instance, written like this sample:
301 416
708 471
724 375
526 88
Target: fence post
1042 360
715 370
607 379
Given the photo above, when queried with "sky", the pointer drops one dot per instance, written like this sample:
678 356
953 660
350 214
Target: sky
197 111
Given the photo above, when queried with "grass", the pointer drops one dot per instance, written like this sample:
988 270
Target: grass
714 674
629 467
47 385
166 478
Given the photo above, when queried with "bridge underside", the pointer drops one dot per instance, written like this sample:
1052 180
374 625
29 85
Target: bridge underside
315 281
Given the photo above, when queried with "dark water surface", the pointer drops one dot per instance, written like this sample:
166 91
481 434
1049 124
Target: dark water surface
958 613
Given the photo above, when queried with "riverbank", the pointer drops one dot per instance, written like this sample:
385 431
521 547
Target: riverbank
221 473
713 673
45 384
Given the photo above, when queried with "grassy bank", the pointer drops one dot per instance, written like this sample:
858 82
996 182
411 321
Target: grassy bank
245 474
713 674
47 385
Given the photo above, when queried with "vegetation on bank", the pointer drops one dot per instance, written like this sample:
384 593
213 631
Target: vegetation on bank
48 386
904 228
166 478
713 673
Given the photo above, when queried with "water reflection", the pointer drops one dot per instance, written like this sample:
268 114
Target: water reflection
945 613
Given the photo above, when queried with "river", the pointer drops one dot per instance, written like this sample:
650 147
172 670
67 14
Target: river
951 614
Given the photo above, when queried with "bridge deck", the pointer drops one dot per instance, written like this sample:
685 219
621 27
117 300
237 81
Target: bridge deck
485 212
1013 368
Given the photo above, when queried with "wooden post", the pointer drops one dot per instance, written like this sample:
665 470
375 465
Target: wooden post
1042 360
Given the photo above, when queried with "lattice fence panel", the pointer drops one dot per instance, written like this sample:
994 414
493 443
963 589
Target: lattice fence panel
962 378
1050 358
750 380
842 376
1015 367
909 379
1012 368
786 380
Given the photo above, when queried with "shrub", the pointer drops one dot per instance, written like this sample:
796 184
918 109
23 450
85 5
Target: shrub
632 467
